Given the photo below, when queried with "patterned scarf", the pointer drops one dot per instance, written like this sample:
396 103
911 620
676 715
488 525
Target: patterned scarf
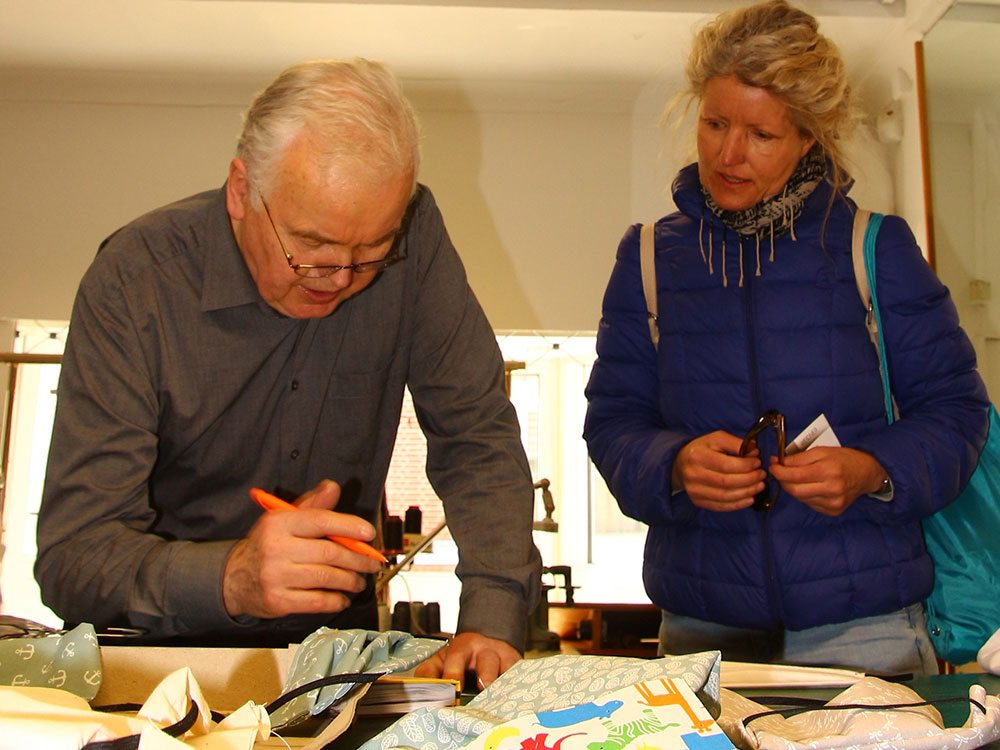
770 218
776 214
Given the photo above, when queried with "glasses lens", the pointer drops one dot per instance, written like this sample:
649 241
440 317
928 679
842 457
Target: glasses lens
396 253
320 272
371 266
315 272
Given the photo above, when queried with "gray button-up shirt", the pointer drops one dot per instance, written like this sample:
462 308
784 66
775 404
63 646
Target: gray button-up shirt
181 389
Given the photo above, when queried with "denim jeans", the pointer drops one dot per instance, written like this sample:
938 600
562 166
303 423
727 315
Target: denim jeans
892 644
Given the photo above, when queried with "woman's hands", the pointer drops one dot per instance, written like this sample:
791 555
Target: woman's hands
713 474
828 480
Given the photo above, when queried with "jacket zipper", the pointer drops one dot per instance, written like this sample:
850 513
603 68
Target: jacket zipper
754 364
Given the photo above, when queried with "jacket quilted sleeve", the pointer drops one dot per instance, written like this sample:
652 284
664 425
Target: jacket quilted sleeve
932 450
626 437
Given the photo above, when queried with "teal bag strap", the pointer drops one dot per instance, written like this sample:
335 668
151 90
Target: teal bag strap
874 222
866 226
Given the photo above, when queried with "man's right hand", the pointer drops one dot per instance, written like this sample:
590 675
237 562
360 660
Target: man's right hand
713 474
286 565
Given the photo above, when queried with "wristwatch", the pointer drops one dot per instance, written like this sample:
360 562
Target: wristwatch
884 492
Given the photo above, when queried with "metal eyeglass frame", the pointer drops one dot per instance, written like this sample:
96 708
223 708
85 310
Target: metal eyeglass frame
397 252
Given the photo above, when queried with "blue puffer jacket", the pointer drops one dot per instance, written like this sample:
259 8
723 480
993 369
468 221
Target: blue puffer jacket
791 339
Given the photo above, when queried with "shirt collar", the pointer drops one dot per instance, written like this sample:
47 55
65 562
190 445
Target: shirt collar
228 282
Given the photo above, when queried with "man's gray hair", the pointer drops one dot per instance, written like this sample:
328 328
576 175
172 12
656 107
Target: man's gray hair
354 110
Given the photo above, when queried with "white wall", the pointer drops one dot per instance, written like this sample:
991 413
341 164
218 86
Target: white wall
537 179
951 158
535 189
73 172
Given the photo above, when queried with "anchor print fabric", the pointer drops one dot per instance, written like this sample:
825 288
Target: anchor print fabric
547 685
70 661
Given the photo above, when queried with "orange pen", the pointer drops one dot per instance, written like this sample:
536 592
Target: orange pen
269 502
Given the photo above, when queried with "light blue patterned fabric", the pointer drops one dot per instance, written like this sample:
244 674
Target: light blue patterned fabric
545 684
68 661
328 652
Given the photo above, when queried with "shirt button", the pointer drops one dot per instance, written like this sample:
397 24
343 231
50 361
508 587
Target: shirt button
294 454
295 385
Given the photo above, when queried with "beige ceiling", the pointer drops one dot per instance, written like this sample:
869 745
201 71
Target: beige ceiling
512 40
517 50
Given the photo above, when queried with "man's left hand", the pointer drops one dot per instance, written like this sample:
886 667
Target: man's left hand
487 657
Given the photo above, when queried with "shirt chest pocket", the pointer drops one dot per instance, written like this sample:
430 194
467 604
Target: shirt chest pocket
359 415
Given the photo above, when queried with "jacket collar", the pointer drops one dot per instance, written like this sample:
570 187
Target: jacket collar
688 197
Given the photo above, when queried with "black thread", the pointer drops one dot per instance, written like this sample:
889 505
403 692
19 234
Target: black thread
131 741
801 706
357 678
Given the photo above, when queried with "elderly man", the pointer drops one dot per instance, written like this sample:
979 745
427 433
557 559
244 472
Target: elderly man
262 335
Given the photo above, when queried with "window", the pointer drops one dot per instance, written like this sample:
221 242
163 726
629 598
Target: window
27 429
602 547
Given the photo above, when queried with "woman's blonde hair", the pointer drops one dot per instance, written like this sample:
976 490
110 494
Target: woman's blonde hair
777 47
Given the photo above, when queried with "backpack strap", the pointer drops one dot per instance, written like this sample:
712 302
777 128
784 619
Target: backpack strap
647 263
861 217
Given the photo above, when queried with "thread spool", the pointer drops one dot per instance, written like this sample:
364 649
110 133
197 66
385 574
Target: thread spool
417 620
432 615
412 527
401 616
414 520
393 533
384 617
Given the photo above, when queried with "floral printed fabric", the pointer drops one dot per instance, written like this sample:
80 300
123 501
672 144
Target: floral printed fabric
545 684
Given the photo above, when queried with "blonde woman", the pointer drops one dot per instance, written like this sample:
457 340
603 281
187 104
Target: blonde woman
760 322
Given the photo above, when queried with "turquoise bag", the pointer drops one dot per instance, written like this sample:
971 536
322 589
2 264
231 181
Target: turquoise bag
963 538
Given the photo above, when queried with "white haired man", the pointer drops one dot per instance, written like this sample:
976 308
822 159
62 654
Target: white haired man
262 334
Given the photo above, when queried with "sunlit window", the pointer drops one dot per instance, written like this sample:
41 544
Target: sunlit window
602 547
30 389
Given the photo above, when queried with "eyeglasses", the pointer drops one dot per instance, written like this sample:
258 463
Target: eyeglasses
396 253
765 499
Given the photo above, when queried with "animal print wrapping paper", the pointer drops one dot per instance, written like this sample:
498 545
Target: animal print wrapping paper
551 684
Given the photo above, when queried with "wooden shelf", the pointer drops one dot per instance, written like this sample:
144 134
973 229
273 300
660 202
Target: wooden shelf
607 629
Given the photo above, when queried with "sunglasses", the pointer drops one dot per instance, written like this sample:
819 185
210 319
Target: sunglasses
764 500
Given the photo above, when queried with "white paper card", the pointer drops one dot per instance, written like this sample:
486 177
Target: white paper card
817 434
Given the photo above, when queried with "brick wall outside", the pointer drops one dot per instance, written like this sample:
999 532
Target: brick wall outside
407 483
